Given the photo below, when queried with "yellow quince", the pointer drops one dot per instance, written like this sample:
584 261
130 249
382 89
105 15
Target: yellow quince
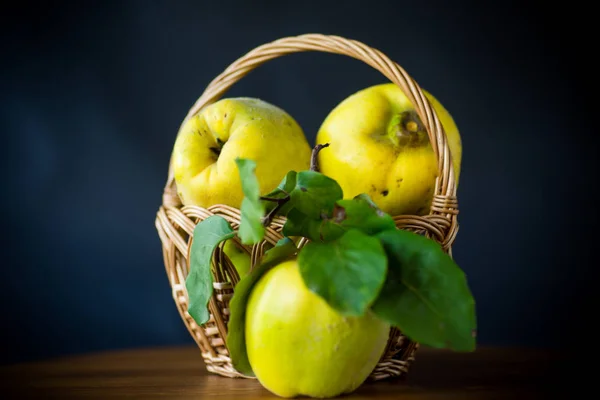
208 144
378 146
298 345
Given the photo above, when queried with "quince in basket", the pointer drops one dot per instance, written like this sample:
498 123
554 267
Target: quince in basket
239 257
379 146
208 144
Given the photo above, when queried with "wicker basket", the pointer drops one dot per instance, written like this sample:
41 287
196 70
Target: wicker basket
175 223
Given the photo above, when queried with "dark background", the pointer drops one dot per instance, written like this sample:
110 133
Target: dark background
92 94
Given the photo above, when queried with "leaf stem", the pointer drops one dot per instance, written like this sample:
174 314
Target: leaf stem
271 214
314 163
273 199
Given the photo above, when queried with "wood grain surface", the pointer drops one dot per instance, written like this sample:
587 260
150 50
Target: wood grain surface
179 373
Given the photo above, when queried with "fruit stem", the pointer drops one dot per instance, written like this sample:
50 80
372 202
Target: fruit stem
314 162
406 129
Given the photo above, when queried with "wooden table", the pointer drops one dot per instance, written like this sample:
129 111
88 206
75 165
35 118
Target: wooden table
179 373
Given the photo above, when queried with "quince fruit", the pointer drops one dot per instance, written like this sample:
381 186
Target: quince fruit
208 144
238 257
378 146
298 345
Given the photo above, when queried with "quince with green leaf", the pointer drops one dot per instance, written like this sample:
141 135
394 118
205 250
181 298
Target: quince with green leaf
298 345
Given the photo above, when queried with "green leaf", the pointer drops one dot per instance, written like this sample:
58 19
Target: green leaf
236 337
348 273
365 197
312 195
317 230
426 294
285 187
282 250
199 283
251 229
356 213
298 224
315 193
359 213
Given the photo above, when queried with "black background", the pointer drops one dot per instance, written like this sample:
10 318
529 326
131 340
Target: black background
92 94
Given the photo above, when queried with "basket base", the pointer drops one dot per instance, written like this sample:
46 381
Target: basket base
221 365
390 366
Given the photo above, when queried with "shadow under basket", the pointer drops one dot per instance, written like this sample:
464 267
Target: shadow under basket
175 222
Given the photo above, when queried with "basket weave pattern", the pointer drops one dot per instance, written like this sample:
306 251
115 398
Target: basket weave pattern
175 223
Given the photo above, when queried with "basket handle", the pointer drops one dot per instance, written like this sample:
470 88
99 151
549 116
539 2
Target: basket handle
444 201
